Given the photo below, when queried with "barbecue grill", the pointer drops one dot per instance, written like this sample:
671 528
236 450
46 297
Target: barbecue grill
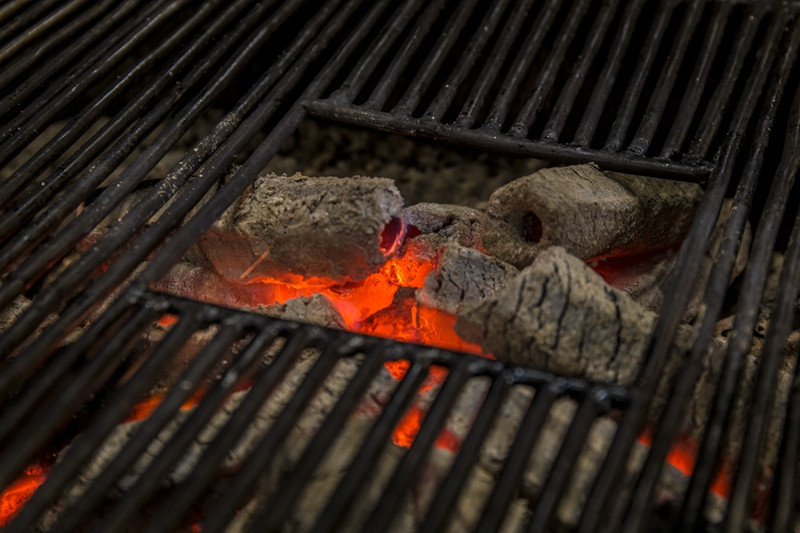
95 94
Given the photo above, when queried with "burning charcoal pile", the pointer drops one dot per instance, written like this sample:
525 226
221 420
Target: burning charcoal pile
562 270
514 281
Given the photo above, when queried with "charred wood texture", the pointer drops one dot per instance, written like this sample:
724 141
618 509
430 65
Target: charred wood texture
290 227
447 223
588 212
463 277
559 314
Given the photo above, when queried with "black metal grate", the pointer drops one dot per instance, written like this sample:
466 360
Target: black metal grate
617 83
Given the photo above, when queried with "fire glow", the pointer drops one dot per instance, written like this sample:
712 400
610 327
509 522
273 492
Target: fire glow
383 305
14 497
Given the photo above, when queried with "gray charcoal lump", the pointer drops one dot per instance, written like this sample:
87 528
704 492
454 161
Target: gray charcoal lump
289 227
560 315
588 212
463 277
449 223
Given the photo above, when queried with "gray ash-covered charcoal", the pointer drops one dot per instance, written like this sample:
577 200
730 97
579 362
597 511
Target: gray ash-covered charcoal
316 309
286 228
559 314
463 276
588 212
449 223
12 312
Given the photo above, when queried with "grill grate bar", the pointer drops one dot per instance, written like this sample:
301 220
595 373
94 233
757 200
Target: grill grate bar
49 381
433 62
358 76
34 82
412 461
658 101
12 7
785 485
276 510
103 204
41 27
714 299
547 76
597 103
369 452
118 20
491 69
474 48
65 471
499 110
619 129
78 25
38 196
566 461
445 498
711 120
569 91
484 139
690 256
753 282
178 502
240 488
38 114
131 224
72 395
384 87
699 80
242 366
26 18
511 475
772 355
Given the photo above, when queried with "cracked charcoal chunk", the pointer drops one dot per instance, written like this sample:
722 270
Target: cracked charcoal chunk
292 227
316 309
587 212
560 315
463 277
449 223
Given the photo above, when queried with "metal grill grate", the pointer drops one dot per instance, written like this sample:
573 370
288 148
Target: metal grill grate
611 82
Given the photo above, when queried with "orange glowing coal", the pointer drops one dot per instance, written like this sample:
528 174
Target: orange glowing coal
20 491
383 304
406 431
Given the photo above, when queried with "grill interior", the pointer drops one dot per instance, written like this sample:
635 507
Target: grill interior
95 98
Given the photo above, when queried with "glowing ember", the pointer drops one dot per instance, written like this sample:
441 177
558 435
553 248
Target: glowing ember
397 369
406 431
14 497
383 304
167 320
682 456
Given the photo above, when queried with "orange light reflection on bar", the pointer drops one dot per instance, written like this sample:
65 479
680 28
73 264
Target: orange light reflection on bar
682 457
